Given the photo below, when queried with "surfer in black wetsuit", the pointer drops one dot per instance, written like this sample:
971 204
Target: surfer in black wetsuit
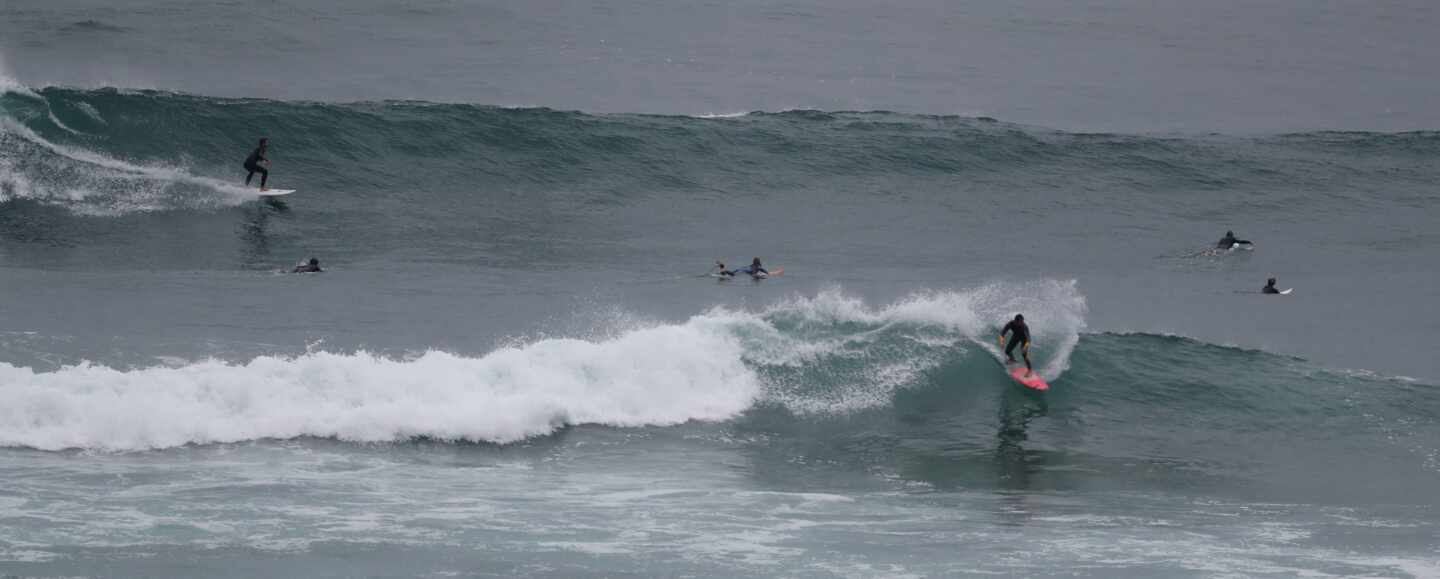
755 269
1019 336
1270 287
1229 241
312 266
252 164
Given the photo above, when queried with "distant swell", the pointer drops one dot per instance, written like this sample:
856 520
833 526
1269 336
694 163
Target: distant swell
116 151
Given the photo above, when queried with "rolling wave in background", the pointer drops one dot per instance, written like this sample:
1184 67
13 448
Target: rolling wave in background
117 151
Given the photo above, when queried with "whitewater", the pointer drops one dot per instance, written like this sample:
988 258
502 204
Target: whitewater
662 375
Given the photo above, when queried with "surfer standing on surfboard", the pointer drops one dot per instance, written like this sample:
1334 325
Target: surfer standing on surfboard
1019 335
252 164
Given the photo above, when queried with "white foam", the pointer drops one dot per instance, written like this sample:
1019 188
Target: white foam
722 115
9 84
706 368
655 376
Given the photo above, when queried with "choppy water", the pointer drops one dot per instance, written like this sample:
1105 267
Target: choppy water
516 365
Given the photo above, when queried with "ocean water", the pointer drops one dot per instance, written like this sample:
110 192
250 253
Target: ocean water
515 363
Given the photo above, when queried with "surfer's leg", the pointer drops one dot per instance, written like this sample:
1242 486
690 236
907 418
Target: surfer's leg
248 177
264 176
1010 347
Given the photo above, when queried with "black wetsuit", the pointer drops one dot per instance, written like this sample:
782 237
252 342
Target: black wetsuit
1270 289
1021 335
1229 241
252 164
751 269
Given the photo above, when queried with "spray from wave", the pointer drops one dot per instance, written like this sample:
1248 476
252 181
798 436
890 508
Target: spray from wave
37 169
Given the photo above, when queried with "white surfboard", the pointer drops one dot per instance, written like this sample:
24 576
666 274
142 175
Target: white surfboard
275 192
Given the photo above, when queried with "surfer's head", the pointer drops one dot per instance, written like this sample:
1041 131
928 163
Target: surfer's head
1270 281
314 261
1019 318
1229 234
755 261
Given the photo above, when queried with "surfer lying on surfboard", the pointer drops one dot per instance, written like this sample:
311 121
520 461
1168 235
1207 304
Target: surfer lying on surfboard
1270 287
312 266
1019 335
754 269
252 164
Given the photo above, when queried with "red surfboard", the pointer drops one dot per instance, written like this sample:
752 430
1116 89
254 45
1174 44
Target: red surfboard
1033 381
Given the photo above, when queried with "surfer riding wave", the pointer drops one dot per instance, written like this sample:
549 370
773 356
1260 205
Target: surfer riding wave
1019 336
252 164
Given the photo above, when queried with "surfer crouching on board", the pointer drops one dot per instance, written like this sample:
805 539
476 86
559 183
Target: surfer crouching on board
1019 335
252 164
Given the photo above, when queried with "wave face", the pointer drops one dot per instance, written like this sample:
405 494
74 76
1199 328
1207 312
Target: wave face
826 367
118 151
825 355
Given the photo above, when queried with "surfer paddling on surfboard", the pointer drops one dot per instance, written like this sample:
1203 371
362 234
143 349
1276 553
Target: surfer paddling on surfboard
754 269
1270 287
1019 336
1229 241
252 164
312 266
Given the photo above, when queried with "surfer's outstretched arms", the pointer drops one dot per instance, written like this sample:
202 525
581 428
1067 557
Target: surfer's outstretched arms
1230 241
1019 336
252 164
